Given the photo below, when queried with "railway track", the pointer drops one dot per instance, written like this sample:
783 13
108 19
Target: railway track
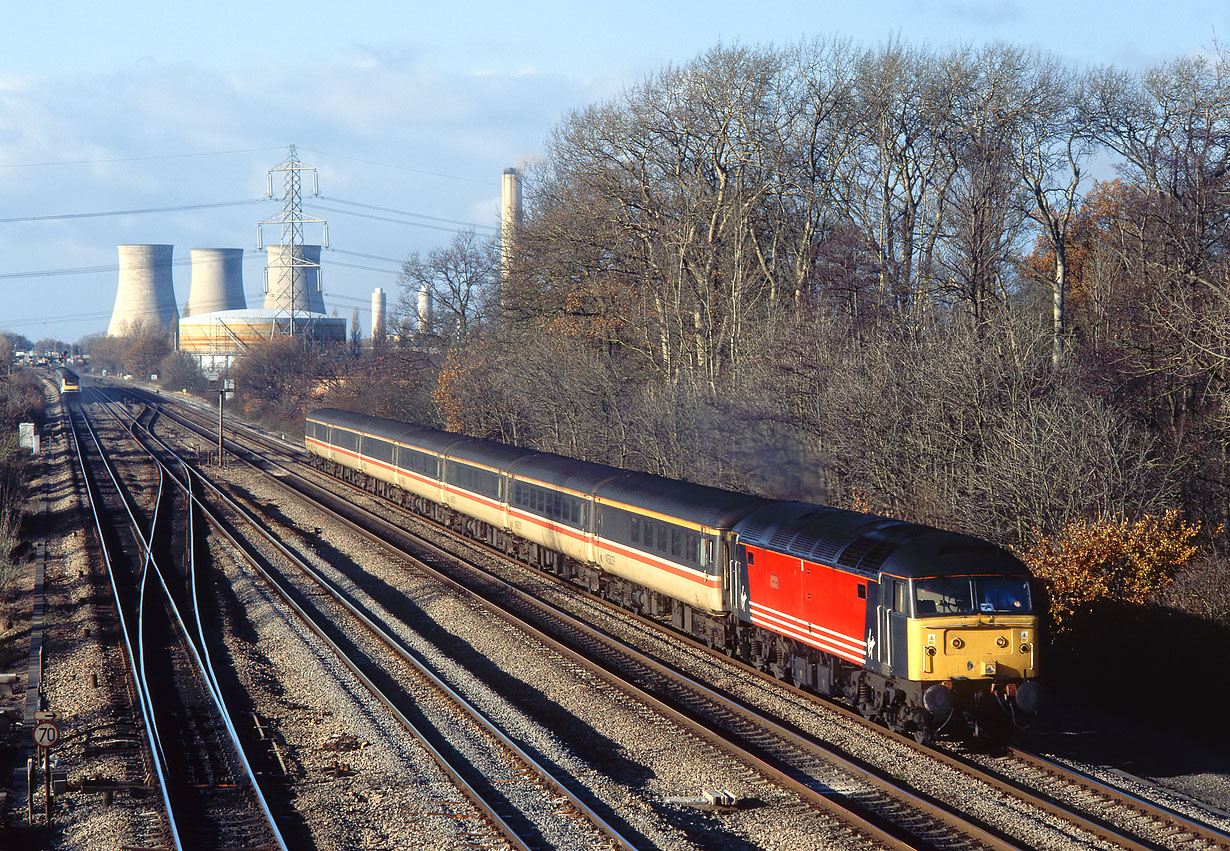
1106 813
210 797
815 773
300 587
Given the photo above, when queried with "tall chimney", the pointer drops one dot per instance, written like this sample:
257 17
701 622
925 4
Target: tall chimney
510 219
379 303
424 316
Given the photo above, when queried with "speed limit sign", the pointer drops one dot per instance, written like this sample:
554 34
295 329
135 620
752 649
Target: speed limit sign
46 734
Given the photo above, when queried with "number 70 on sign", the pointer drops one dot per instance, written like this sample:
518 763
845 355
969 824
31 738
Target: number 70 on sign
46 734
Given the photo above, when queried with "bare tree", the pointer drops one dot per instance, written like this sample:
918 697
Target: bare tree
462 279
1049 152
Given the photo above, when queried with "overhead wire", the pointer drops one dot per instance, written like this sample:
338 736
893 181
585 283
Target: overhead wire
405 213
403 168
177 209
103 160
441 223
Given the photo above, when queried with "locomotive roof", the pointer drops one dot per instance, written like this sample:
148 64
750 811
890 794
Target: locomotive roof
712 507
870 544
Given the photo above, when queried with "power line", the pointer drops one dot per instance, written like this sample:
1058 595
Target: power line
138 159
368 256
385 219
356 266
404 168
407 213
60 216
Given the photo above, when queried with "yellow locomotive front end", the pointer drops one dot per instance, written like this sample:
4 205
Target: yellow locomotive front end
974 639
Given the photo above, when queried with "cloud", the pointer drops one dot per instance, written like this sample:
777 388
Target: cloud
140 129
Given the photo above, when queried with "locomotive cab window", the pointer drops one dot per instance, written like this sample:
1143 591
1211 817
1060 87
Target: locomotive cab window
968 595
1002 594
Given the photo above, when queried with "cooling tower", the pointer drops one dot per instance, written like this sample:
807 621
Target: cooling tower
217 281
295 288
146 293
379 304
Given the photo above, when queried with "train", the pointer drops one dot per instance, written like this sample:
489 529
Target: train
69 382
928 631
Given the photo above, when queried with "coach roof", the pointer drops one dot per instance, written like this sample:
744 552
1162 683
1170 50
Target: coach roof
712 507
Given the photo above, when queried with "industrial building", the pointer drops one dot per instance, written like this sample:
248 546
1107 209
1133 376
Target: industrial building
216 339
218 324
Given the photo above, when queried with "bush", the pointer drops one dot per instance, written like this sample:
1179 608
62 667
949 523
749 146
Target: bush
179 371
1111 559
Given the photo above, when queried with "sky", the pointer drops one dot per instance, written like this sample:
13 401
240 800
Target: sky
158 123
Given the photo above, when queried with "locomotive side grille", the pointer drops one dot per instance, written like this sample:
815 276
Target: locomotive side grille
782 536
875 557
754 530
826 551
803 543
853 554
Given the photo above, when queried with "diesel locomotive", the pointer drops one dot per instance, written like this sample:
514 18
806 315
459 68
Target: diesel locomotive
923 629
68 380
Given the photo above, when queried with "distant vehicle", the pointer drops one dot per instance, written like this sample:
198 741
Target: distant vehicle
69 382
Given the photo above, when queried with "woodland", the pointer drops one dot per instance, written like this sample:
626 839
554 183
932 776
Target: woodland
978 288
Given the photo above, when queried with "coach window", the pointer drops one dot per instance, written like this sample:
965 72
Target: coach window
676 543
661 537
636 530
693 548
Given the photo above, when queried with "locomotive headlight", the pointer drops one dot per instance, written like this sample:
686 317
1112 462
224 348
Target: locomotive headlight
957 643
1024 648
931 650
1001 641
